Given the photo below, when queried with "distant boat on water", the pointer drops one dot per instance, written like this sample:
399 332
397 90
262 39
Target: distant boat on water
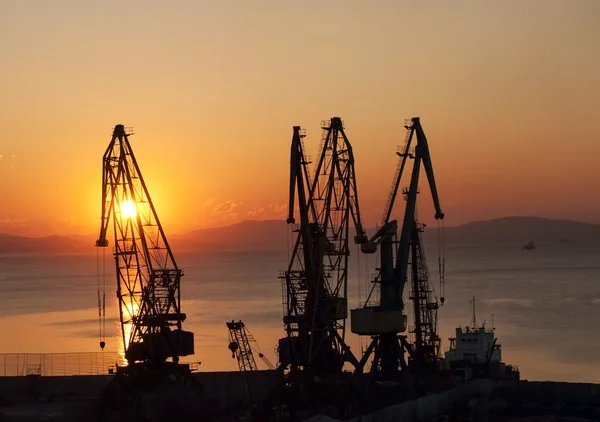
529 246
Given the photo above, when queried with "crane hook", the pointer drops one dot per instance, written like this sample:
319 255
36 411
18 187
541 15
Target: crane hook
102 344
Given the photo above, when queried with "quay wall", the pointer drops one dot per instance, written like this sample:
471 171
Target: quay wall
495 400
38 396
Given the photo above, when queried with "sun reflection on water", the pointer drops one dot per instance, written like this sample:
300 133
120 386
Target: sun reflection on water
131 309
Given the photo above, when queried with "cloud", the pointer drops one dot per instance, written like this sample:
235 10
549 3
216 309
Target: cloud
226 207
66 225
15 226
270 211
65 220
8 157
256 211
13 221
209 201
512 301
278 208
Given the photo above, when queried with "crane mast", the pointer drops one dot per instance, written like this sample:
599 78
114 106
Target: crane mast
148 278
385 321
239 344
426 343
243 346
315 283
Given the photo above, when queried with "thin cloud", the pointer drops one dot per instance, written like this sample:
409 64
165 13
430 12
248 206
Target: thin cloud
12 221
13 225
278 209
226 207
209 201
270 211
256 211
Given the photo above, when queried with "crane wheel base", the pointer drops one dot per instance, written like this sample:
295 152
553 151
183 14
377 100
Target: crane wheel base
164 390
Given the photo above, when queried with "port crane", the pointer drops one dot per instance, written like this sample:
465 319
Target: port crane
314 352
315 283
386 321
243 346
148 278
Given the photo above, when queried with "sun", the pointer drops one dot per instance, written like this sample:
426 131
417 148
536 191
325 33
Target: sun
128 209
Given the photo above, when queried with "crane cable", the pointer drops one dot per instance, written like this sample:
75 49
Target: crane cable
359 293
441 259
101 286
358 275
103 296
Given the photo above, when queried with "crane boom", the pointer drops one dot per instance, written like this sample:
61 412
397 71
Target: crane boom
148 278
240 345
421 155
243 346
404 153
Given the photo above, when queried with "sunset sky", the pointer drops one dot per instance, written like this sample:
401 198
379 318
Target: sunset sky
508 94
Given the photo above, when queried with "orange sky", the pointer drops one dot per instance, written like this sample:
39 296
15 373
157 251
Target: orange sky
507 93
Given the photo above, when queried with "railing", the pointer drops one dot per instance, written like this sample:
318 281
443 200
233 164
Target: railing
58 364
194 366
368 304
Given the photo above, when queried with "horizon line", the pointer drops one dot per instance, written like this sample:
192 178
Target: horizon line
177 234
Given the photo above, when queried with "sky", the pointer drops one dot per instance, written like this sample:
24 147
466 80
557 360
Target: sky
506 92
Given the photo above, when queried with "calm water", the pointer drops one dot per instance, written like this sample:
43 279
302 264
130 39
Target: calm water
545 303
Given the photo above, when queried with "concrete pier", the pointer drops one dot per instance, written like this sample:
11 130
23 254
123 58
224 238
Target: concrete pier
76 398
496 401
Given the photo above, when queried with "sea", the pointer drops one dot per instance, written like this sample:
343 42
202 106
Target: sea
544 305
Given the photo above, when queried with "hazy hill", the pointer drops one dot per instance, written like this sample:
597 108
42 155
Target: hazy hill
273 235
48 244
251 235
521 229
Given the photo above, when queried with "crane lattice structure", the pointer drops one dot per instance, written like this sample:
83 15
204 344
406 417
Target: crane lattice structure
426 343
386 321
148 278
315 283
243 345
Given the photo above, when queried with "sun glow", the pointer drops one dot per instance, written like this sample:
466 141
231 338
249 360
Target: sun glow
130 310
128 209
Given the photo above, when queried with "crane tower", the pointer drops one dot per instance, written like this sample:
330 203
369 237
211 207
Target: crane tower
426 345
386 321
148 278
315 283
243 345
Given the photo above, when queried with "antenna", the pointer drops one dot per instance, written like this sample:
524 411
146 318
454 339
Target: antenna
473 317
493 328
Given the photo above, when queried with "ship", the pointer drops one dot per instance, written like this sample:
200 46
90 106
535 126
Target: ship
529 246
474 352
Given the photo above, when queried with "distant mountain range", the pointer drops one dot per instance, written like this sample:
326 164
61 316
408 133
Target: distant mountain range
523 229
271 235
41 245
